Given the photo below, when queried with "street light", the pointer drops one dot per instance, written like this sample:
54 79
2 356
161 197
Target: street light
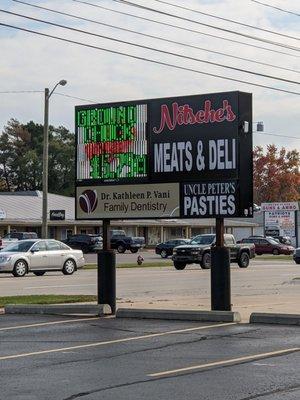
62 82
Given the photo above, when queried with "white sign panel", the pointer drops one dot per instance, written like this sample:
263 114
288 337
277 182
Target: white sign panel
280 223
284 206
2 213
128 201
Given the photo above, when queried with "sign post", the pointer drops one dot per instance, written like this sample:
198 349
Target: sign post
220 271
106 271
181 157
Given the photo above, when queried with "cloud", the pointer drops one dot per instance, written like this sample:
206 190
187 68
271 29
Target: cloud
30 62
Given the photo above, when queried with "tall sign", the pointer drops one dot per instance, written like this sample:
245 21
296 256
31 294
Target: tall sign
280 219
186 157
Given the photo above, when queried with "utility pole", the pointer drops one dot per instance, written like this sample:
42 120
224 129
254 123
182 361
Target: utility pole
45 166
62 82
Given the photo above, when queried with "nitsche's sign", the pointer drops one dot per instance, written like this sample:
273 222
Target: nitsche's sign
197 143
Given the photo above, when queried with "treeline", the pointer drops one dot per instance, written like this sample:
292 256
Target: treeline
21 158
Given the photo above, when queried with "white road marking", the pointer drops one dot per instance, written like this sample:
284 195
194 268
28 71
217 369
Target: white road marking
108 342
67 321
225 362
59 286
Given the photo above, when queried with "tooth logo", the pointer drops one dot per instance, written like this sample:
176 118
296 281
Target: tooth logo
88 201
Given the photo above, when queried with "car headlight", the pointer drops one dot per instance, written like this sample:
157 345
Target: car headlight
5 258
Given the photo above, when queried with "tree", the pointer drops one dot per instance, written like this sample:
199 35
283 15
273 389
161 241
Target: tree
276 175
21 158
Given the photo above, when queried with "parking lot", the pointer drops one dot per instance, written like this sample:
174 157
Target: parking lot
66 358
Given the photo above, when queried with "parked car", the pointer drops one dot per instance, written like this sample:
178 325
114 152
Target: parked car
296 255
39 256
165 249
88 243
15 236
265 245
198 252
122 242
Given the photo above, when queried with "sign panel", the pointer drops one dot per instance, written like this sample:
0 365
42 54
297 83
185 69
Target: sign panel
126 201
202 143
280 219
283 206
2 213
280 223
56 215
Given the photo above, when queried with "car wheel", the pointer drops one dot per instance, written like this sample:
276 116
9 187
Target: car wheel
164 254
297 261
134 250
20 268
206 261
121 248
275 252
243 260
179 265
39 273
69 267
258 254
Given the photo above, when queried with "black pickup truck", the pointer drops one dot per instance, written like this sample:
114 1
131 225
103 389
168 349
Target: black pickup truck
121 242
198 252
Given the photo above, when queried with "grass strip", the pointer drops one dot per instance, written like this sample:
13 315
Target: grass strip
274 258
46 299
135 265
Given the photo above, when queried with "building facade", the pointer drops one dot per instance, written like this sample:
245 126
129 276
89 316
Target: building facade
22 211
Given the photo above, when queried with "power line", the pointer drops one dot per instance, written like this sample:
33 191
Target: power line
74 97
21 91
227 19
129 3
274 134
156 37
151 48
183 29
276 8
148 59
41 91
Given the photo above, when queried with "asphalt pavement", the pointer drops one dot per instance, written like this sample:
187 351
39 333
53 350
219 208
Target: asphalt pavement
63 358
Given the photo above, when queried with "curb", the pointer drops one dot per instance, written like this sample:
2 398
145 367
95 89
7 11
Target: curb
74 309
182 315
270 318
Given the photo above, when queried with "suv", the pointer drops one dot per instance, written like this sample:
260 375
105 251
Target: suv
86 242
265 245
198 251
15 236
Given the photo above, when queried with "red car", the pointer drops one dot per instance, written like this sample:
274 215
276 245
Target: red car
269 246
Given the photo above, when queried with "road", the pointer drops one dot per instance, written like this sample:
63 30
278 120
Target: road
265 286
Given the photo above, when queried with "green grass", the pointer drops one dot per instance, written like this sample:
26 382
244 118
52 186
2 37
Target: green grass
169 263
46 299
271 257
135 265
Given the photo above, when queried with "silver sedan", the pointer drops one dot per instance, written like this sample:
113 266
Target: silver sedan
39 256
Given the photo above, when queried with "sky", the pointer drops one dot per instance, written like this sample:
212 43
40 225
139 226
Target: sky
29 62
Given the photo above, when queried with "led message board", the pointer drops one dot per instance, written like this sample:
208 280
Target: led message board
112 142
184 157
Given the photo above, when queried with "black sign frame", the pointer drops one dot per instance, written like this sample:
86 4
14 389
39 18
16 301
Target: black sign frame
221 119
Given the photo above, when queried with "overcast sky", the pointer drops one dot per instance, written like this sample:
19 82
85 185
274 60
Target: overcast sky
32 62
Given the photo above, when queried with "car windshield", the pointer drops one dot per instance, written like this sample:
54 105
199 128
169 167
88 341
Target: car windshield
205 239
273 241
19 247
